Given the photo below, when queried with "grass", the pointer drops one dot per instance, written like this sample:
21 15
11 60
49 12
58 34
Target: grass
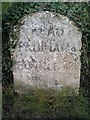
42 103
0 100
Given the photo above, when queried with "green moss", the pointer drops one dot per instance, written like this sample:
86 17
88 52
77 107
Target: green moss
42 103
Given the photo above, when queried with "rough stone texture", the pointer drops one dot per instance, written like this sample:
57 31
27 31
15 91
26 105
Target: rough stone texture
48 52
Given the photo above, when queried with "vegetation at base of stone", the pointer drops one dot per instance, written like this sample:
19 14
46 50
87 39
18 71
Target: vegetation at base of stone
49 103
11 13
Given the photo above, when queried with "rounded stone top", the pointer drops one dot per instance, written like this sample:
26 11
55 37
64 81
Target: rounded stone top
48 51
51 28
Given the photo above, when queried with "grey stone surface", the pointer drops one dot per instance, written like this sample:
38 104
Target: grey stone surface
48 51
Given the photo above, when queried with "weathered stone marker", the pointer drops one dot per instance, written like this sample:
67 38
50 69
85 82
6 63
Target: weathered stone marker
48 52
